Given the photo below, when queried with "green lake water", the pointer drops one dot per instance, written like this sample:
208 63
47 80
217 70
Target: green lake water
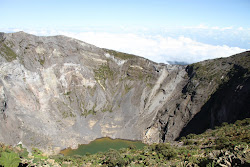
102 145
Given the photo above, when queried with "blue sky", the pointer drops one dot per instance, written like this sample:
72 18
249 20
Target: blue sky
219 25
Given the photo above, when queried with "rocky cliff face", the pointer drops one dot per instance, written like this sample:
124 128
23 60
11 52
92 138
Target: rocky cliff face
229 97
58 92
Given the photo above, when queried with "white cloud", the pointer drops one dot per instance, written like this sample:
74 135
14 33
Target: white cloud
157 48
205 27
240 28
215 28
201 26
226 28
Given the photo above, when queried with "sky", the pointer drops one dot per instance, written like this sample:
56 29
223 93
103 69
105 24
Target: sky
182 31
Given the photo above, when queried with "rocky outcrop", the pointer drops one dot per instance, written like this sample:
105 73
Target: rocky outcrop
58 92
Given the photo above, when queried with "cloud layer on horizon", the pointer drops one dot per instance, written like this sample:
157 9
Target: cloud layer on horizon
157 48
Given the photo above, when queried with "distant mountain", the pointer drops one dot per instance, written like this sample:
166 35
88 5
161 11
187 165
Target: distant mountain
178 62
58 92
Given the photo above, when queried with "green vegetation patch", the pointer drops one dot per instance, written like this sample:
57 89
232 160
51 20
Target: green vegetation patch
209 72
41 61
108 108
65 110
120 55
102 73
7 53
67 114
67 93
38 154
9 159
212 75
127 88
12 156
220 70
86 112
134 73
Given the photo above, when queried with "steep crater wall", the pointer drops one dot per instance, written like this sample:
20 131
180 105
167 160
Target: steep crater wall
58 92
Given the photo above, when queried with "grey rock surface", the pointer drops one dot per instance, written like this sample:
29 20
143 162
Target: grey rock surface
58 92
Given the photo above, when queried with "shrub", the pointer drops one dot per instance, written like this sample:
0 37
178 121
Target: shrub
183 138
244 122
159 147
188 142
224 124
191 136
206 162
169 153
113 158
9 159
222 142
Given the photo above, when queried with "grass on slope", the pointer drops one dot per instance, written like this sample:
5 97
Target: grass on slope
224 146
7 53
120 55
